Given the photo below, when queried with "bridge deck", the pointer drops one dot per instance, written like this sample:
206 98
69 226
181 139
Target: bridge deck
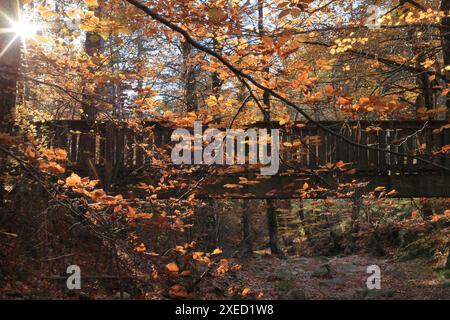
114 154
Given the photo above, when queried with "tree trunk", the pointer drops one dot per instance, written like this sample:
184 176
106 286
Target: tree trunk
271 213
9 67
445 40
93 46
355 214
266 95
216 83
189 77
272 223
246 226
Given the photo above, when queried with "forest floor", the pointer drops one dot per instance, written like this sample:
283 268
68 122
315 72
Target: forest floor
300 278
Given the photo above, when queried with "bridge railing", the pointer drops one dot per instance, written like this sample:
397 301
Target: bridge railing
303 146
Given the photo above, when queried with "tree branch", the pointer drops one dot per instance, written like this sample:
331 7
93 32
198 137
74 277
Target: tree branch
243 75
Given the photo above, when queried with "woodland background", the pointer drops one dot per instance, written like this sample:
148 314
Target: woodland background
223 62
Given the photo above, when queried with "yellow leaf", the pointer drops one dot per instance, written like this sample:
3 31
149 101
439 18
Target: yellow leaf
217 251
41 39
73 180
91 3
232 186
212 101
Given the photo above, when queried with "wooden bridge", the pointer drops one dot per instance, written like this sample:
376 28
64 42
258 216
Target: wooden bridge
113 153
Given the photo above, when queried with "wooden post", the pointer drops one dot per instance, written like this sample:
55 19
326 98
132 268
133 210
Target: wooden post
246 226
272 223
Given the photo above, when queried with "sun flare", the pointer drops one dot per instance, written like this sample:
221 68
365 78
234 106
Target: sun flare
25 28
22 27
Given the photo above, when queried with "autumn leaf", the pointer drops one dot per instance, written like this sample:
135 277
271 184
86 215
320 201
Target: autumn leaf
6 139
172 268
343 101
392 192
30 153
217 15
197 255
435 218
61 154
232 186
140 248
186 273
52 167
73 181
178 291
91 3
131 212
217 251
245 292
97 194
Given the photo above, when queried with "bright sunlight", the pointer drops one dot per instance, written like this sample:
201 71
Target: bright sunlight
22 27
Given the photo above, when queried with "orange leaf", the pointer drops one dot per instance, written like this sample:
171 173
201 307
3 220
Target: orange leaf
186 273
172 268
73 181
6 139
178 291
91 3
97 194
140 248
30 152
245 292
328 89
61 154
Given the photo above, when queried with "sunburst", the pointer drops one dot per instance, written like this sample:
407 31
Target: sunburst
21 27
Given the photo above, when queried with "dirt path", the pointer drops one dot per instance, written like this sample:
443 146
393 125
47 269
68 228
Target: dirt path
340 278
